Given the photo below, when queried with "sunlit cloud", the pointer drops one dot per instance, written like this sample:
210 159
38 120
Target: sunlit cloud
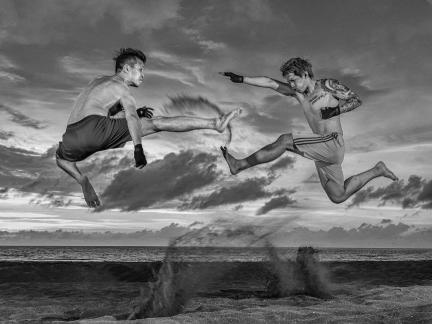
85 69
12 77
22 119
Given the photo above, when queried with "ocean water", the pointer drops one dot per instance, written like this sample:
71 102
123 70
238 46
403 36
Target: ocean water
197 254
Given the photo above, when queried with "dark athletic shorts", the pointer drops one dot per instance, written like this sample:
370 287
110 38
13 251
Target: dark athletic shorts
92 134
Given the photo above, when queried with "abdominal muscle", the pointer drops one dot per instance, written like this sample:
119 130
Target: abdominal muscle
324 127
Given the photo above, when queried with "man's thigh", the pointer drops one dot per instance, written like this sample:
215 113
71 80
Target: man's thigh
331 178
147 127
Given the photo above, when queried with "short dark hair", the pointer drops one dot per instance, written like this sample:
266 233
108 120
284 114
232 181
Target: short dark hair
128 56
298 66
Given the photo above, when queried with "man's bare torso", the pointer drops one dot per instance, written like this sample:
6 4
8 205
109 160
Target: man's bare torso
96 99
312 104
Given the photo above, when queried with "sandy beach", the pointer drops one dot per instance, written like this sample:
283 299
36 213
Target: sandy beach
236 292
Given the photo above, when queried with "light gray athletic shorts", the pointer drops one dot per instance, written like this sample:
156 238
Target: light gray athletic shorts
326 150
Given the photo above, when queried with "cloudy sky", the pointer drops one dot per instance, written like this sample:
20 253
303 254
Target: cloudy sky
50 50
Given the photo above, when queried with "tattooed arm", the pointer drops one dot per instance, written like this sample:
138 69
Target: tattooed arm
348 99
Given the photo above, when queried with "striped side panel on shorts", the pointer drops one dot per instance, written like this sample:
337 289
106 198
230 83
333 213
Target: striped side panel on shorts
312 140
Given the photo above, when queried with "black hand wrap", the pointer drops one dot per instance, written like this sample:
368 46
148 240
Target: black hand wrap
234 77
140 159
145 112
329 112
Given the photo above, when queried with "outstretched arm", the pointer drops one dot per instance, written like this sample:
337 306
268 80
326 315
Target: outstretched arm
263 82
348 99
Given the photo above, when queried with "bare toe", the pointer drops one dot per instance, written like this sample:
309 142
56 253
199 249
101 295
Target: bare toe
90 195
224 150
386 172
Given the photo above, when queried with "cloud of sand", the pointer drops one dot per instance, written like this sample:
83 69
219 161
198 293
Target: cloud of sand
176 284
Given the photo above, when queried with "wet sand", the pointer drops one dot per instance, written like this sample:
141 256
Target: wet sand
98 292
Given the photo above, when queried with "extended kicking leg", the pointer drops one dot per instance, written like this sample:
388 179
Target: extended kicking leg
186 124
356 182
266 154
71 168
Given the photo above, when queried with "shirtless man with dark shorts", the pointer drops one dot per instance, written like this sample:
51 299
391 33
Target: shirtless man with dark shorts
105 116
322 102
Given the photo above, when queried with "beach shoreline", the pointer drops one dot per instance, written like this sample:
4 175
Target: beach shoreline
85 291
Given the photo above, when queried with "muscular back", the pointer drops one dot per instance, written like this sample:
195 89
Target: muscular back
96 99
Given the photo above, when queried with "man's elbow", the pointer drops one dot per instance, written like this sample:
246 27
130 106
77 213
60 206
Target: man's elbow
132 120
131 116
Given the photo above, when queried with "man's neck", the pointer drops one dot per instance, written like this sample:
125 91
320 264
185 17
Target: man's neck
311 87
121 78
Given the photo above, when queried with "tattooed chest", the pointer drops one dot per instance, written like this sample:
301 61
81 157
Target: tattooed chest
322 99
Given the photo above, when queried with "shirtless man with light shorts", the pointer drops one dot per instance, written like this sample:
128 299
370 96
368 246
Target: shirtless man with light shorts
105 116
322 102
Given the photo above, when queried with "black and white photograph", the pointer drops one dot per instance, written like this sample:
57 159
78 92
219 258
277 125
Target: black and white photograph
205 161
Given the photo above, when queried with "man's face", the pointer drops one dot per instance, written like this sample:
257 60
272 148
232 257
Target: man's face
298 83
136 74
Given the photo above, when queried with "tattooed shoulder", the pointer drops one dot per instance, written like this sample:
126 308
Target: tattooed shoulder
336 88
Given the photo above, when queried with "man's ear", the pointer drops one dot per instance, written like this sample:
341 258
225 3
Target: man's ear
126 68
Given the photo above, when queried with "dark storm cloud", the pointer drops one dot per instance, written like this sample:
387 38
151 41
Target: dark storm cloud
416 193
31 172
360 28
19 166
4 135
249 189
246 190
238 207
21 119
34 23
171 177
38 36
274 203
425 195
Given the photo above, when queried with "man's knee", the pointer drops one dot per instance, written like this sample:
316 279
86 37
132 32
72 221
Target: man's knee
62 162
336 198
58 159
286 140
335 193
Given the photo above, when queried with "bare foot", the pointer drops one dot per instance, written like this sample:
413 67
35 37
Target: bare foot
223 121
231 161
90 196
385 172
